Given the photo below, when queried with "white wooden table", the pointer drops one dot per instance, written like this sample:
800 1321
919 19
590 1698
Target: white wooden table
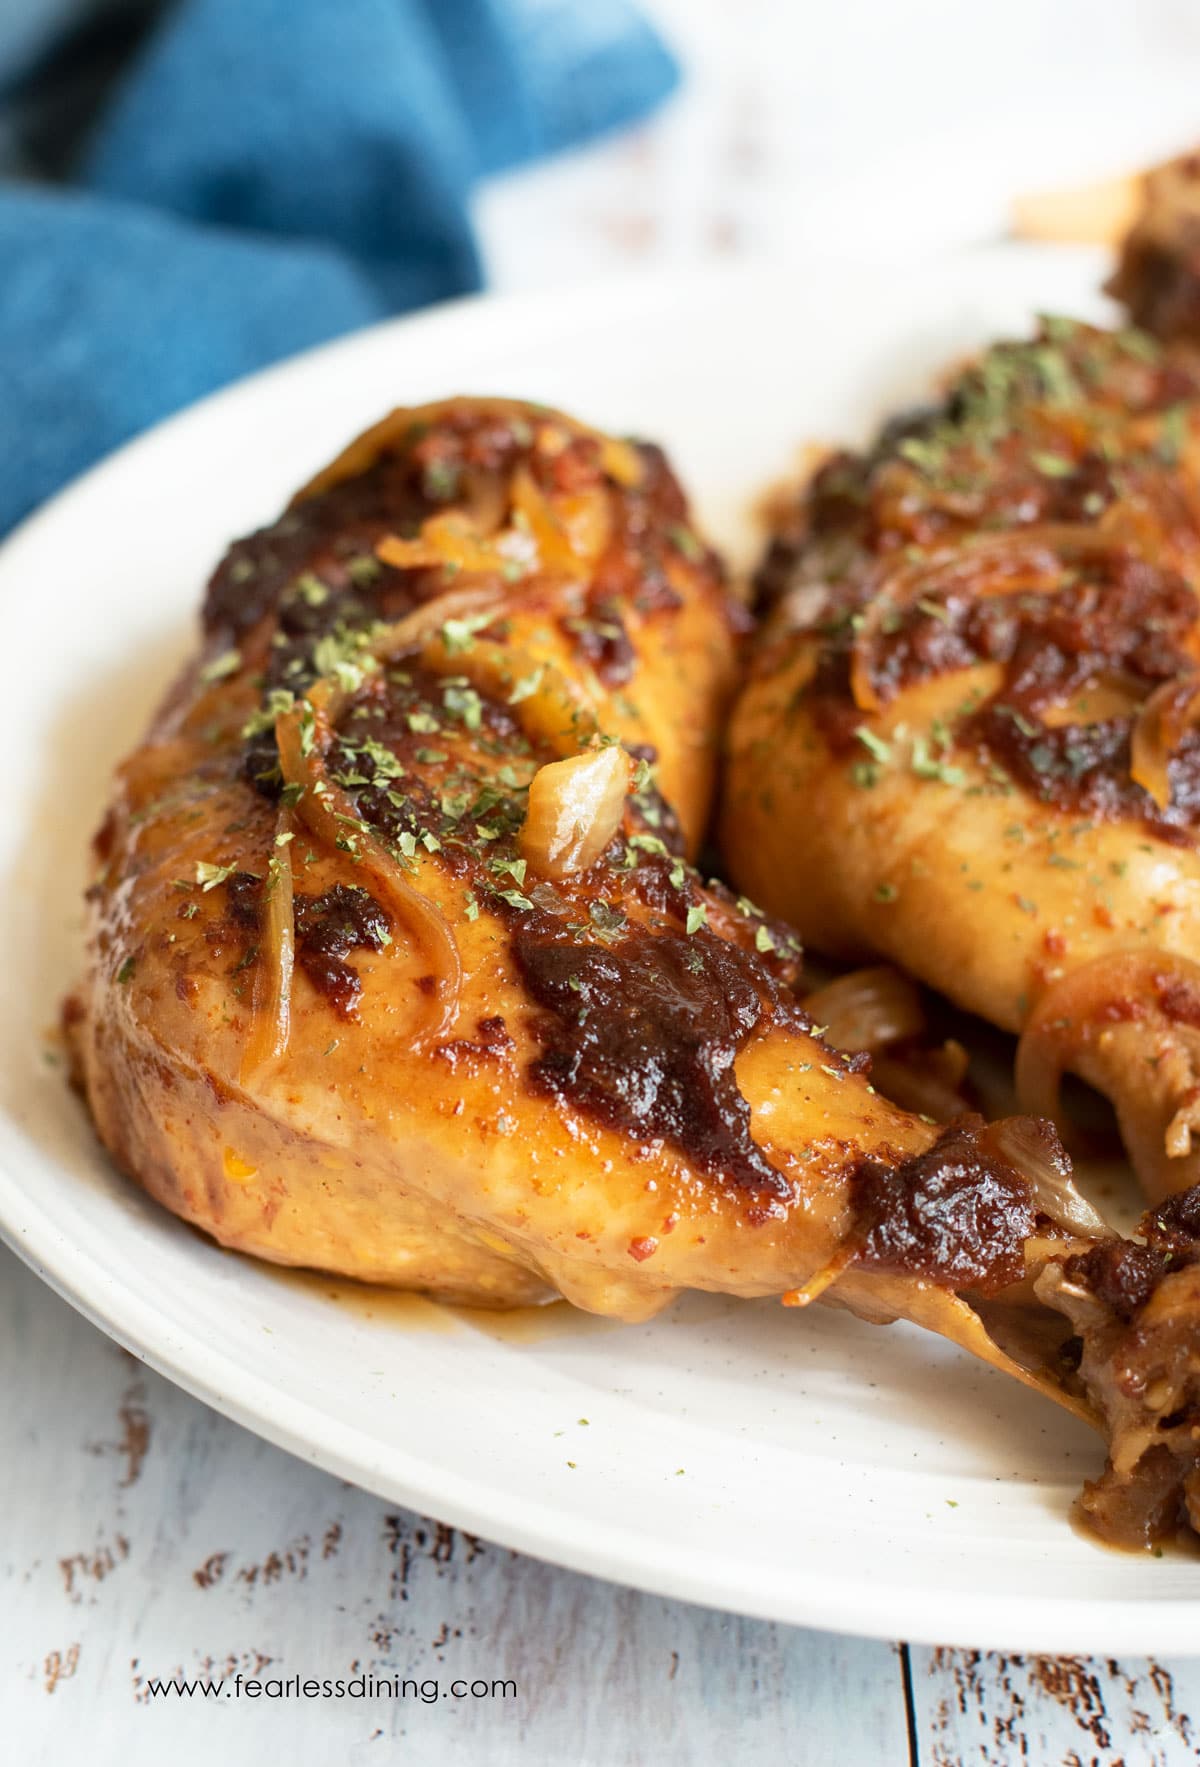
143 1536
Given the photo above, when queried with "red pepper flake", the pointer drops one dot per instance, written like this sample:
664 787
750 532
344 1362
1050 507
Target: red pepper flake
1054 942
641 1249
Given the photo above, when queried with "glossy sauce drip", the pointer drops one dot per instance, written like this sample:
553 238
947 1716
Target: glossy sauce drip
406 1311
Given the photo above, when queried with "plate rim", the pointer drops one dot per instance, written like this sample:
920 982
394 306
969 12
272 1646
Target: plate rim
1062 1623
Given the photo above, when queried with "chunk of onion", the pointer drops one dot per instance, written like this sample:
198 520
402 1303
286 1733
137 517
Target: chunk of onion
575 809
1170 711
1035 1150
868 1009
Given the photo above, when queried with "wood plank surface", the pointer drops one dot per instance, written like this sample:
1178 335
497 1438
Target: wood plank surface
985 1709
142 1536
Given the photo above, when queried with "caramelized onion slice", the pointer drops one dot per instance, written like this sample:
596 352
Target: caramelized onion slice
549 709
868 1008
561 534
1170 711
1080 1008
877 1009
1034 1149
1066 1018
928 1082
472 602
575 809
567 530
331 815
272 1021
549 706
1031 561
449 540
825 1277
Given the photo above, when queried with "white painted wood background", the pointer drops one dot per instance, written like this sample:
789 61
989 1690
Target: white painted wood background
142 1535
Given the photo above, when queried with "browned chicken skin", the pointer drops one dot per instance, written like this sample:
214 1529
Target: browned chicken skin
398 967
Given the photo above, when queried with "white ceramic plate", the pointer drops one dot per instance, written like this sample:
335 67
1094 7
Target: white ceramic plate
805 1468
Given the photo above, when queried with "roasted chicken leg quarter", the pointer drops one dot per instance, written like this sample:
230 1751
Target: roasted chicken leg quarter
969 738
398 966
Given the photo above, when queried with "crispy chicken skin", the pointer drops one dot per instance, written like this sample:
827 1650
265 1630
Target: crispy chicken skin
398 967
967 740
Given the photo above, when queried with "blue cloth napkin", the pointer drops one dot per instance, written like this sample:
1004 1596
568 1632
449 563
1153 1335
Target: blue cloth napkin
206 186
